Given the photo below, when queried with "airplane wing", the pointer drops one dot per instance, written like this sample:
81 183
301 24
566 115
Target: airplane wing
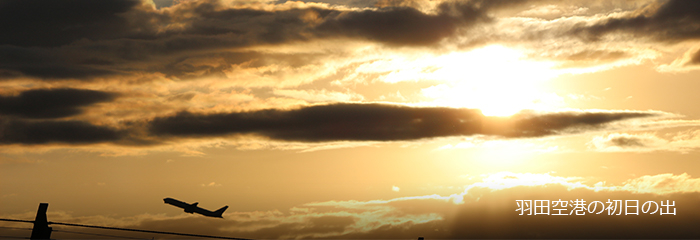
218 213
204 212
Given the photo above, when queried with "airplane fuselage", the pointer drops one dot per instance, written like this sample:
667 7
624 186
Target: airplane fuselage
193 208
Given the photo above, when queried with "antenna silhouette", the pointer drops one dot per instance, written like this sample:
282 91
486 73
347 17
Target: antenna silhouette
41 228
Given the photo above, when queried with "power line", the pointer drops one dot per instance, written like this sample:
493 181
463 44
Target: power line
13 237
15 220
148 231
125 229
16 228
7 237
97 234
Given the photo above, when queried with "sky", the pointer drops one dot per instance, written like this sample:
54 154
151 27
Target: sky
352 119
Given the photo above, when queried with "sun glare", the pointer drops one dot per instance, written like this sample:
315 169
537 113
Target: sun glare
495 79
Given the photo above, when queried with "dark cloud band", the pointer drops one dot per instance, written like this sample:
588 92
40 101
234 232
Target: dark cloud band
694 58
675 20
15 131
83 39
377 122
51 103
321 123
52 23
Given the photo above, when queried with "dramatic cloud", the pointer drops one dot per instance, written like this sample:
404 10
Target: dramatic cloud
627 142
51 103
663 184
77 39
622 142
320 123
199 52
268 90
53 23
592 58
406 25
29 132
672 21
695 58
689 61
489 209
318 96
51 63
380 122
24 117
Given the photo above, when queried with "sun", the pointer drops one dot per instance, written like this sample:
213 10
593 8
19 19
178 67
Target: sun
497 80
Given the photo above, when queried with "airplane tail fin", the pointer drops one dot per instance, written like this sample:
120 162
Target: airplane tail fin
220 211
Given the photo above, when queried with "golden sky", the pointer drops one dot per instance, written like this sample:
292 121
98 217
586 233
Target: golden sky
350 118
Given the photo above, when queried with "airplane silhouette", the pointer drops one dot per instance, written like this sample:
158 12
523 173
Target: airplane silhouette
192 208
